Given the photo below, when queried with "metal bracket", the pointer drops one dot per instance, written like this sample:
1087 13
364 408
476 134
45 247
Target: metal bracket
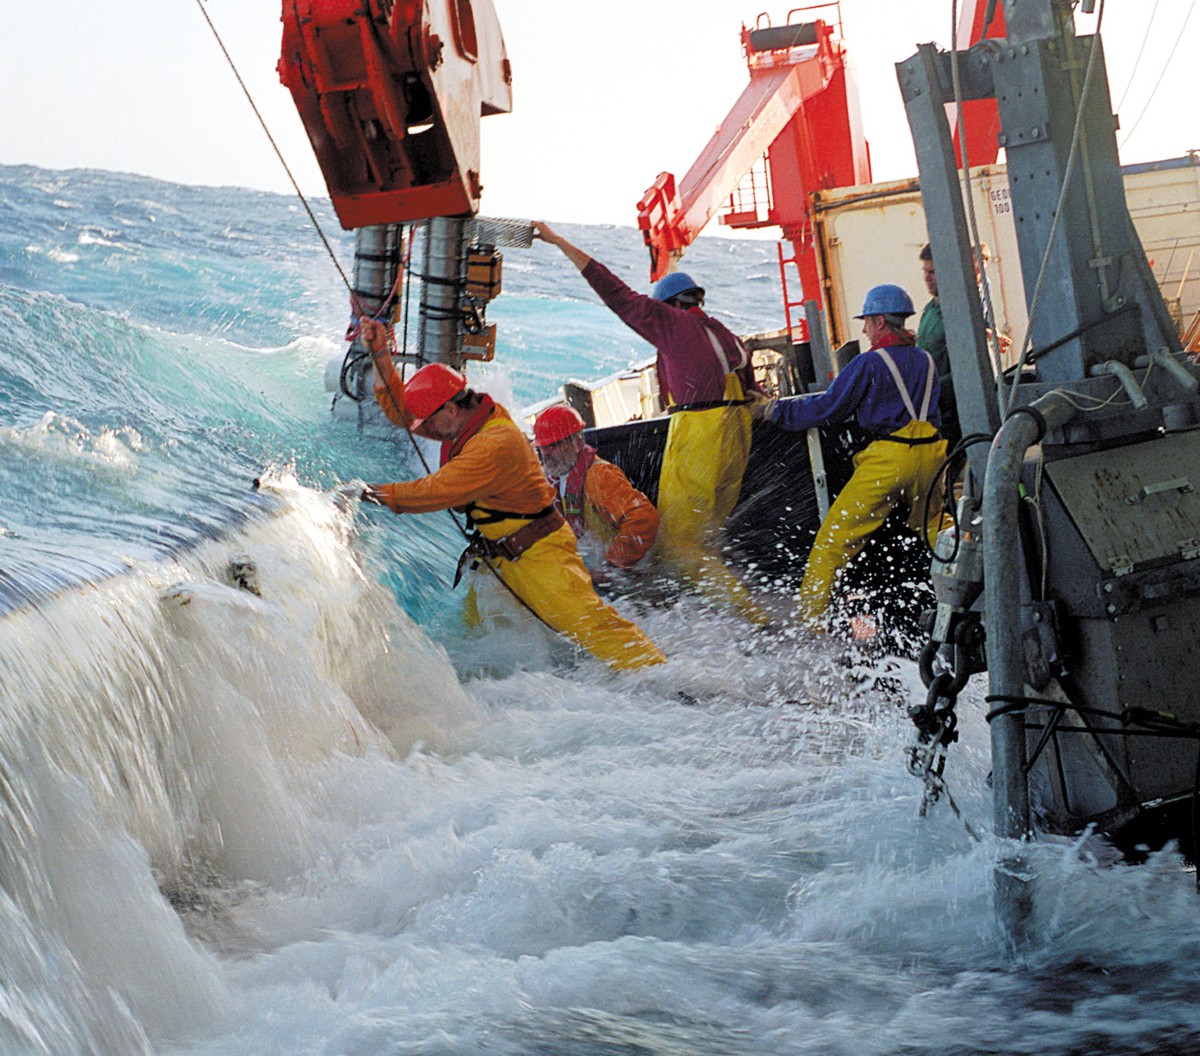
1023 137
1179 484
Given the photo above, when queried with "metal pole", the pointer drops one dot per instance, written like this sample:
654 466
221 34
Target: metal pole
1003 569
818 341
376 259
441 290
377 251
946 222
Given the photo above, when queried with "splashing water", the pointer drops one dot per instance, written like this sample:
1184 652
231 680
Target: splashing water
260 792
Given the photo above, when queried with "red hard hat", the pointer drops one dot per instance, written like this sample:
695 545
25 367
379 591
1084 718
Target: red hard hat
556 423
430 389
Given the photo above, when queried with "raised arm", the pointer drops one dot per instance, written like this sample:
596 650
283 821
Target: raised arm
573 253
389 387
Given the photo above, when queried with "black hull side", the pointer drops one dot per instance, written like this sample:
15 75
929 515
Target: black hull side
771 531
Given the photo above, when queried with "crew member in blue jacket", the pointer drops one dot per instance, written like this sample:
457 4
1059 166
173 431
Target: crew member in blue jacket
892 390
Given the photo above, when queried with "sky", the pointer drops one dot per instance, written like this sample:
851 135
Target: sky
606 95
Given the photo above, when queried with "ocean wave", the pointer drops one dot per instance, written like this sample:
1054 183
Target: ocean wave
61 437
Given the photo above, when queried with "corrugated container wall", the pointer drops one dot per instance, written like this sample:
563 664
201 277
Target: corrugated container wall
872 234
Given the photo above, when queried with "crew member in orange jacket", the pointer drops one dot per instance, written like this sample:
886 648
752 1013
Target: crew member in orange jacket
489 470
596 497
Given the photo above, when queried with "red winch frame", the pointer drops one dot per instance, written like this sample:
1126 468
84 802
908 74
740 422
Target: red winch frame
390 93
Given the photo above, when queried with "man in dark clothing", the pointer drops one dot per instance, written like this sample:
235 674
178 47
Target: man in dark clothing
931 336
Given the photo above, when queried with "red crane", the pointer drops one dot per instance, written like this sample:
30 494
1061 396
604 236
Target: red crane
391 93
795 129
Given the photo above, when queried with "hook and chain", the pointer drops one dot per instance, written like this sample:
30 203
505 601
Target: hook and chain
936 719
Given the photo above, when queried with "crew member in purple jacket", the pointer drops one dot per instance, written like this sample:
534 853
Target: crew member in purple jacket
892 390
705 373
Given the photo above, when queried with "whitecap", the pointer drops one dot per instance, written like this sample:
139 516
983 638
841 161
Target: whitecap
60 436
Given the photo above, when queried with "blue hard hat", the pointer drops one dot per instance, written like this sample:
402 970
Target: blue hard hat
673 285
887 300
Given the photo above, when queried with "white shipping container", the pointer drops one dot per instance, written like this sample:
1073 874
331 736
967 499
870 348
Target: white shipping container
871 234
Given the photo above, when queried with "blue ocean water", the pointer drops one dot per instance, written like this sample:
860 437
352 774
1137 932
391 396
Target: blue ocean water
168 343
322 819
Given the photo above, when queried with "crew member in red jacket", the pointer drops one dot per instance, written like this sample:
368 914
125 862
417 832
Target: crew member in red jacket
614 523
490 472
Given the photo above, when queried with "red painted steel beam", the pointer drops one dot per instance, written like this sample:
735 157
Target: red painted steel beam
981 117
391 95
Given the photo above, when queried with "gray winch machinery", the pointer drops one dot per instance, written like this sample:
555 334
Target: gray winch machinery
460 273
1073 574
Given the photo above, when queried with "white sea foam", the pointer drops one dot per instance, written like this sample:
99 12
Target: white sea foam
62 437
185 729
99 236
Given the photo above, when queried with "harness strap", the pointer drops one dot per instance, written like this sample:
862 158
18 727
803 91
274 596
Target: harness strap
490 516
909 441
706 405
722 358
512 546
903 389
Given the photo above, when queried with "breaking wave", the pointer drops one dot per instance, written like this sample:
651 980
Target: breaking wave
261 792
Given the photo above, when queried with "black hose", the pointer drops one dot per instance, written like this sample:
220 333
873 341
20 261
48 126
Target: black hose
949 470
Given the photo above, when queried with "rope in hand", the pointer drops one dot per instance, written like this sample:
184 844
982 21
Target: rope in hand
356 305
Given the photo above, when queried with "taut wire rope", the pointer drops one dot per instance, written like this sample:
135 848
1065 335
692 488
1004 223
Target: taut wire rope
279 154
357 305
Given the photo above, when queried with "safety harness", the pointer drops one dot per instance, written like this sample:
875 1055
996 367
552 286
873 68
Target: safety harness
510 547
574 499
931 373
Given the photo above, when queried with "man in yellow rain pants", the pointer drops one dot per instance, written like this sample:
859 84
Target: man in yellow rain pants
893 392
705 373
490 471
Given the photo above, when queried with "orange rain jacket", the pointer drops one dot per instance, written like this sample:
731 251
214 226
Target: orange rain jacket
611 509
496 468
389 390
